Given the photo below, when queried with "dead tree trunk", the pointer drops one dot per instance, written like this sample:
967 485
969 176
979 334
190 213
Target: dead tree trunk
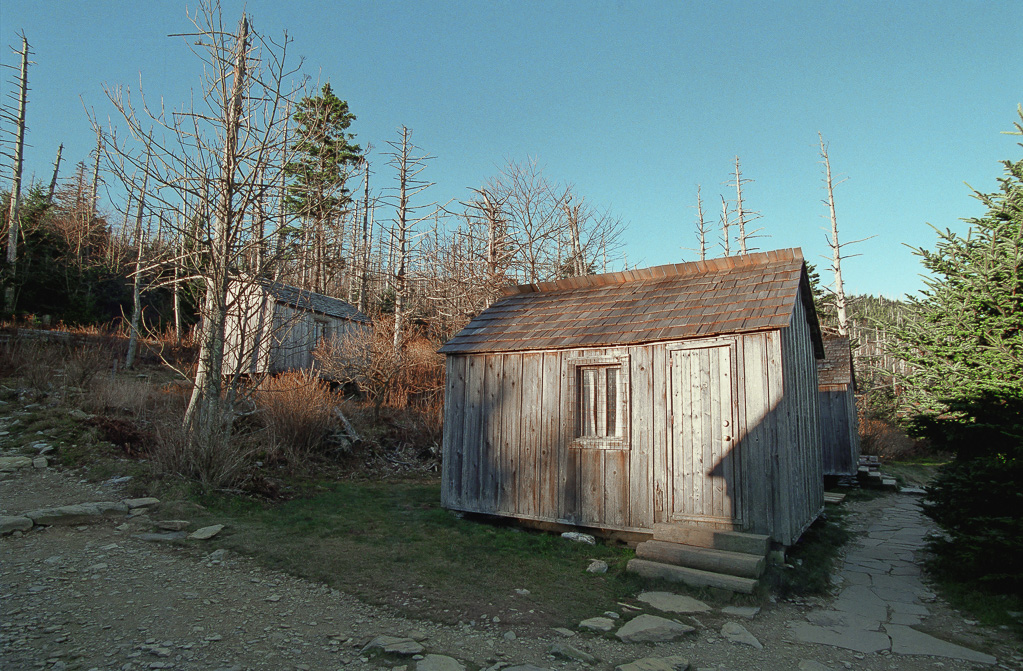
53 179
136 287
19 156
701 225
833 243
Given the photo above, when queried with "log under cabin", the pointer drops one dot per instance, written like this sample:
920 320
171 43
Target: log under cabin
682 394
840 431
274 327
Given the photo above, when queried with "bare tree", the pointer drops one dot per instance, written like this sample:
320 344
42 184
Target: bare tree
701 225
725 224
56 170
833 242
743 216
225 157
410 165
13 216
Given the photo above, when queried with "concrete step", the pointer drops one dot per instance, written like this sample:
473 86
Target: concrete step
691 576
715 539
704 559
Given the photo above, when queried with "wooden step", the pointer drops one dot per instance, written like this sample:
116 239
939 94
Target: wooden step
715 539
704 559
691 576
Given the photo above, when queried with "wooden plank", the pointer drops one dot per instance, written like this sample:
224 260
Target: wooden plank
472 442
616 488
511 420
529 435
490 458
641 441
660 428
551 419
739 474
451 451
778 435
756 446
591 486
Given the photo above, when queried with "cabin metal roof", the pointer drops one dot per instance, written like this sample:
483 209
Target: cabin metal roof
836 368
303 299
734 294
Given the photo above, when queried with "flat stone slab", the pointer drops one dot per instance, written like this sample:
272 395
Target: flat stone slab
736 633
861 600
673 603
173 525
11 523
439 663
76 514
566 651
653 629
598 624
164 537
835 618
850 638
906 641
673 663
143 502
10 464
206 532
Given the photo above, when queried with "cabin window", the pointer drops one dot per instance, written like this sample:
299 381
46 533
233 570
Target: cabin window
321 331
598 401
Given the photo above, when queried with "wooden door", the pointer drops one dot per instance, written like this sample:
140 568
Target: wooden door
704 486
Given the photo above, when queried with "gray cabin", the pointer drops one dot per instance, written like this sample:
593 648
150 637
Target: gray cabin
836 384
683 394
274 327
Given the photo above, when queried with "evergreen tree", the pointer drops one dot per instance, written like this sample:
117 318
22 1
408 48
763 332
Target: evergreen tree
963 342
322 155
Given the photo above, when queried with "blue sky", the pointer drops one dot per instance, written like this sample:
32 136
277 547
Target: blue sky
634 103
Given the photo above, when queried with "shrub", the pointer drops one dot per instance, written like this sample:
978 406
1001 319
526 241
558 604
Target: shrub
886 440
298 412
214 463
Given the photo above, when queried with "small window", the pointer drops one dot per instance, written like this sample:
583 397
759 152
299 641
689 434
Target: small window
597 398
321 331
598 401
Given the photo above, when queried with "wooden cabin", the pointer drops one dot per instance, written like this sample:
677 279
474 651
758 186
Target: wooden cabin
836 385
274 327
682 394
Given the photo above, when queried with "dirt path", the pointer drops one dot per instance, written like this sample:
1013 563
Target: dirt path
97 597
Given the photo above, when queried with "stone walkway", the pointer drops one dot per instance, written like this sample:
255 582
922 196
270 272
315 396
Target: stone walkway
882 594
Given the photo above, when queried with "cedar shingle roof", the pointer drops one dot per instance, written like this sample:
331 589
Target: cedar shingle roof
837 366
314 302
733 294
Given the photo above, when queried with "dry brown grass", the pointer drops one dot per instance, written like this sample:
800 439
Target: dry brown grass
297 410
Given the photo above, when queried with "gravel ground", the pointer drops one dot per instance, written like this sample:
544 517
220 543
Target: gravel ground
96 597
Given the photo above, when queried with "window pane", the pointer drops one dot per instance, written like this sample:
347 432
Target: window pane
612 402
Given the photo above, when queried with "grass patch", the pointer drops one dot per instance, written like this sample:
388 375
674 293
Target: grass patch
391 543
810 563
976 599
915 472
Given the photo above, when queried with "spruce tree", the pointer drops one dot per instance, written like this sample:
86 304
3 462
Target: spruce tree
963 343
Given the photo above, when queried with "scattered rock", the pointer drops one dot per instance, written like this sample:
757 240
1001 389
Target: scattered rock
673 663
524 667
396 645
40 462
651 628
812 665
562 631
736 633
570 652
579 537
76 514
597 566
597 624
522 592
206 532
173 525
673 603
439 663
510 635
9 523
162 537
144 502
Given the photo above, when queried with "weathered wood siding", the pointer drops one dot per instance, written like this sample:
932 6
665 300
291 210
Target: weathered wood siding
799 475
840 434
722 432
